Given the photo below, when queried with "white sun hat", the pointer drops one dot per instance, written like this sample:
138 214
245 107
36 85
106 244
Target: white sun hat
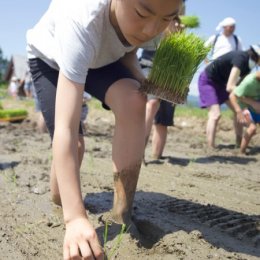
228 21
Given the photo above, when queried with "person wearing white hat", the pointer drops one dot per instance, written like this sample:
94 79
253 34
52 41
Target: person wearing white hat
225 40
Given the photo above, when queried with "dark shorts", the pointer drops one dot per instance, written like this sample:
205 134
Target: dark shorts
254 116
97 83
165 114
211 93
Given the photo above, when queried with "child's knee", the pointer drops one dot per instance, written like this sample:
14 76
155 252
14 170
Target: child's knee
134 106
215 116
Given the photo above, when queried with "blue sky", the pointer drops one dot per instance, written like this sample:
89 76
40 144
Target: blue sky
17 16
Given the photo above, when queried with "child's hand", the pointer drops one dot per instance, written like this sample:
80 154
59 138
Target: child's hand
81 241
244 117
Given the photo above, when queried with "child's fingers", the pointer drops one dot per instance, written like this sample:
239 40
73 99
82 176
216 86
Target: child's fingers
85 250
96 249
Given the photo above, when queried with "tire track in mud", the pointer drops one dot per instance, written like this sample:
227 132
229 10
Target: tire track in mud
240 226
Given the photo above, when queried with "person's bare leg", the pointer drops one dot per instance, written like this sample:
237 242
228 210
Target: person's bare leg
152 107
213 118
237 126
158 140
41 126
128 105
250 132
55 194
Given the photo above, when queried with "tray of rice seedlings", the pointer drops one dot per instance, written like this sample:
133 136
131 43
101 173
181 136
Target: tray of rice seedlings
190 21
175 62
12 115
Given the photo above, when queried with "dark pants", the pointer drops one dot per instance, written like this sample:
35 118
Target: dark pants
165 114
97 83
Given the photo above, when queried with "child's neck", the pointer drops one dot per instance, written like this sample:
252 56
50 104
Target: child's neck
114 23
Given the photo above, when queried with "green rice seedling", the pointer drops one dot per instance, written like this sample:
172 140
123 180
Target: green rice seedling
175 62
109 254
13 115
9 113
190 21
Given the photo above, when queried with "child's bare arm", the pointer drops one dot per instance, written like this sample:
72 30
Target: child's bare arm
131 62
233 79
251 102
80 234
239 113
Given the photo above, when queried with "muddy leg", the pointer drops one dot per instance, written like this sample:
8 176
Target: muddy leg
125 183
128 105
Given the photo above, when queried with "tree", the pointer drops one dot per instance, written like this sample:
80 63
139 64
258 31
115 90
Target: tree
3 65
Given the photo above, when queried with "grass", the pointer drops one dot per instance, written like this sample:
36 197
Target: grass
3 90
190 111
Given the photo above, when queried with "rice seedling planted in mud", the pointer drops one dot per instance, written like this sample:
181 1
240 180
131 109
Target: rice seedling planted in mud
110 253
175 62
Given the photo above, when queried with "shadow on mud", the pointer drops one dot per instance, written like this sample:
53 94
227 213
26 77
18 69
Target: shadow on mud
203 160
8 165
156 215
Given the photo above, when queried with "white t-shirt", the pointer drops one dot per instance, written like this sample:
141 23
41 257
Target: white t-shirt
223 45
74 36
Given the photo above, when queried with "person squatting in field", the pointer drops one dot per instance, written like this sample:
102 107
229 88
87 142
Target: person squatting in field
245 99
218 80
91 45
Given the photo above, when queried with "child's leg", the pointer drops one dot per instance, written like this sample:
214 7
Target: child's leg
152 107
213 118
45 81
128 105
237 126
250 132
159 140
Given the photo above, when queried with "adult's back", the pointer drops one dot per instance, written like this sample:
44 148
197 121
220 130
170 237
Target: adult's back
219 70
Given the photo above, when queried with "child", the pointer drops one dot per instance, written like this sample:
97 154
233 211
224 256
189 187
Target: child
159 112
220 78
248 108
90 45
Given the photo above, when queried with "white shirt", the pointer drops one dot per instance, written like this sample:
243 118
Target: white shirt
74 36
223 45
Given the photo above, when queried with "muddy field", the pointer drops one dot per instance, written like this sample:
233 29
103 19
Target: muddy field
192 204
